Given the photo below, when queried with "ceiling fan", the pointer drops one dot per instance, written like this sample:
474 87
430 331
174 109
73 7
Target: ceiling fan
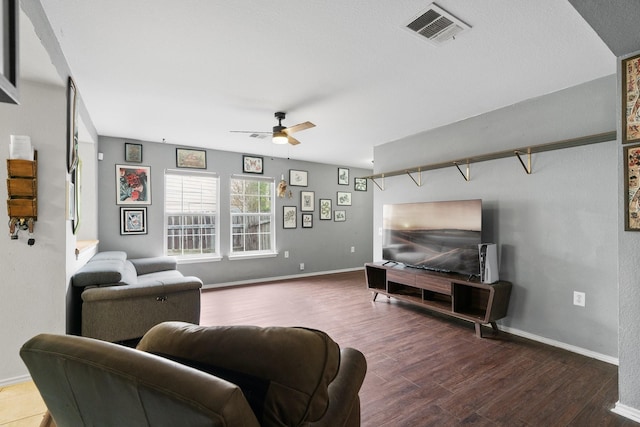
282 134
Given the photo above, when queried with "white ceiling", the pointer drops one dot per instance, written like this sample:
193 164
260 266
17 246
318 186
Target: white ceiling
191 71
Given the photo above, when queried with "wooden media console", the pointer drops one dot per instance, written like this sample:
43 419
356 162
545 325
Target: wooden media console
447 293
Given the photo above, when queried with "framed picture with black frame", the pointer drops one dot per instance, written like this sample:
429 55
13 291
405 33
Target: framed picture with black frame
132 152
630 70
9 15
632 188
289 216
344 198
343 176
133 221
252 164
193 159
298 178
325 209
307 220
72 125
307 199
360 184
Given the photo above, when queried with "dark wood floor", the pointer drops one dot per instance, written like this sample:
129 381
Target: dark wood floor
426 369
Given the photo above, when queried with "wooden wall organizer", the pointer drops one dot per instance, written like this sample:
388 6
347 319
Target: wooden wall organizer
518 153
22 189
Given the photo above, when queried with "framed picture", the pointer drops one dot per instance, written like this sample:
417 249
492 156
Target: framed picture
307 220
133 221
631 99
72 126
360 184
132 152
76 174
133 185
343 176
298 178
632 187
9 34
251 164
71 202
344 198
325 209
289 214
194 159
339 216
307 201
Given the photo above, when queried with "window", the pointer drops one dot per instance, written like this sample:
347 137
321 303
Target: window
191 214
252 216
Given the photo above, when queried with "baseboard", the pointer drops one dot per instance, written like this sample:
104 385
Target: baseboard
627 412
15 380
565 346
278 278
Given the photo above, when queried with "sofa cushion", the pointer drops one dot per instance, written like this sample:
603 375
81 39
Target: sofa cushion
101 272
298 364
109 255
154 264
160 276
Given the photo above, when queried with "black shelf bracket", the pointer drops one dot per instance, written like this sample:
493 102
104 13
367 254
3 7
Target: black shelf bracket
467 176
527 167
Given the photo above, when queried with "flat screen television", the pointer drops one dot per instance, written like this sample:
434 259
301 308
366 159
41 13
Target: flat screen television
440 236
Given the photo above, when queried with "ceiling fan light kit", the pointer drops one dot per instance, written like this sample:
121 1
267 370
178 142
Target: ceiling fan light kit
280 138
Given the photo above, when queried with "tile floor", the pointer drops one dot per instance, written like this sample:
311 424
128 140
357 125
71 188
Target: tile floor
21 405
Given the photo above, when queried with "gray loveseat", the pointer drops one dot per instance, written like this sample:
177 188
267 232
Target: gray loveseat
122 299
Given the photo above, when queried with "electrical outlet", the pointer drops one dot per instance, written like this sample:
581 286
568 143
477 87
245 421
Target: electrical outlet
353 249
302 266
286 254
578 298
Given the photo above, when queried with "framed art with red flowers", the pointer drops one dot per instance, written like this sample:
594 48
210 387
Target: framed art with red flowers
133 185
631 99
632 188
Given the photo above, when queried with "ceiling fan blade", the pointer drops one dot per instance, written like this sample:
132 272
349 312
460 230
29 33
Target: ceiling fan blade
298 127
292 140
249 131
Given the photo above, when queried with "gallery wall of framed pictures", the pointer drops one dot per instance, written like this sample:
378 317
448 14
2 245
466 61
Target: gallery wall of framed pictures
302 195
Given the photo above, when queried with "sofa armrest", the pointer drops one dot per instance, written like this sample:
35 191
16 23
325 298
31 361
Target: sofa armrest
344 402
154 264
155 288
100 272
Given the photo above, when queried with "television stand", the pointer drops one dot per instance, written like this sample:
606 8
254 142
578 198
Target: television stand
451 294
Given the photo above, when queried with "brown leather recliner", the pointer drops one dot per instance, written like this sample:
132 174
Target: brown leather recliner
190 375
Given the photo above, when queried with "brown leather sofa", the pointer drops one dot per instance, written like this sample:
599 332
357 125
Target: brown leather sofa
189 375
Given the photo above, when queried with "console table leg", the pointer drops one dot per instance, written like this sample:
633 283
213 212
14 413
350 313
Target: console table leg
495 327
478 330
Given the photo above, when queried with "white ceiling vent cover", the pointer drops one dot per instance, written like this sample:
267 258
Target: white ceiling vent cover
437 25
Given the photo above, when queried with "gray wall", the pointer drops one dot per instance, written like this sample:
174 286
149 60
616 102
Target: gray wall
629 272
325 247
34 278
556 228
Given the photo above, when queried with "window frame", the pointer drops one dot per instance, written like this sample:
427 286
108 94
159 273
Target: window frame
234 255
186 259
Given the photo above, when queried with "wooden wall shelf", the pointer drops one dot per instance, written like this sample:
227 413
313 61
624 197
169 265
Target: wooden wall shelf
22 189
518 153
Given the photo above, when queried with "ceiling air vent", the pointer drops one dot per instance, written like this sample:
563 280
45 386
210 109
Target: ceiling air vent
437 25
